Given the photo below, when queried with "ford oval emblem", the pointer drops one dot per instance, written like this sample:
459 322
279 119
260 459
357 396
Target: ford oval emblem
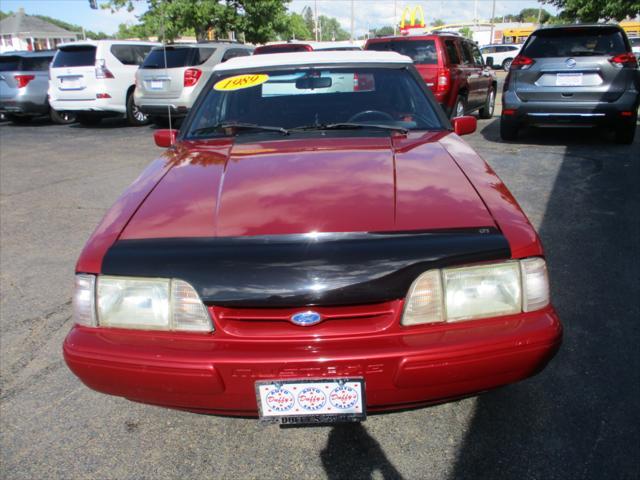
305 319
570 62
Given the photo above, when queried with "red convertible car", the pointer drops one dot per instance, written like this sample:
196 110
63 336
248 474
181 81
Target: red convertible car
315 244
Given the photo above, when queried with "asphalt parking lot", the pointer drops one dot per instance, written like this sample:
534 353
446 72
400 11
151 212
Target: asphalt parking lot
580 418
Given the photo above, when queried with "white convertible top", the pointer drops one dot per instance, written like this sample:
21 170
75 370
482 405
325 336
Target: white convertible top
311 58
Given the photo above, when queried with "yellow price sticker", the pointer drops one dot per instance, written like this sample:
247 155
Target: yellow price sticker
239 82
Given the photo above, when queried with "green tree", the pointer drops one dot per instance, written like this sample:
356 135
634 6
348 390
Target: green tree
133 31
594 10
466 32
331 29
307 13
258 20
4 15
297 28
530 15
383 31
438 22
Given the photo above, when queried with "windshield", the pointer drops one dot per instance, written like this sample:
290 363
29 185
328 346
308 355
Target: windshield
313 98
575 42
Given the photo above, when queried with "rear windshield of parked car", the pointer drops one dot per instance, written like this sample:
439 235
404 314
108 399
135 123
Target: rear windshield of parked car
24 64
130 54
177 57
77 56
290 98
282 49
574 42
422 52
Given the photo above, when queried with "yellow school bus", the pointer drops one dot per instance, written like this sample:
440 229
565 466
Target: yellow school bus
520 35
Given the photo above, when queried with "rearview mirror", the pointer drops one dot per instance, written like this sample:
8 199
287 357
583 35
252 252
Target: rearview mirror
489 62
311 83
464 125
165 138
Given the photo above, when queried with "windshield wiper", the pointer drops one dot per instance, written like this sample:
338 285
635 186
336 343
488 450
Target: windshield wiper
350 125
238 125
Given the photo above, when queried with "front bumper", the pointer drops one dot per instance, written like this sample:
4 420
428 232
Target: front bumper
402 368
567 112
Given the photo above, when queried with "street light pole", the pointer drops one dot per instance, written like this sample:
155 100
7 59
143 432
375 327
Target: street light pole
316 18
493 14
395 17
352 25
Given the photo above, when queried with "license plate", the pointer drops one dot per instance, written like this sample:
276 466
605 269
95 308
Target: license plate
311 400
156 84
70 83
568 79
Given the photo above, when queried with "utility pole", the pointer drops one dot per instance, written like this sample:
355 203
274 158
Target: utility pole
352 20
316 19
539 13
493 14
395 17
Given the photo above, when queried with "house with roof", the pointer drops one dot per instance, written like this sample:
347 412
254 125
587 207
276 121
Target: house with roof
20 31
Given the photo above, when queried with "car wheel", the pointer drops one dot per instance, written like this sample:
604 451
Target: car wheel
459 108
62 118
489 105
508 129
19 120
625 132
135 117
88 120
506 65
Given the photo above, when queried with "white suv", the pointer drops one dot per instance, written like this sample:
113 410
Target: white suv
96 79
502 55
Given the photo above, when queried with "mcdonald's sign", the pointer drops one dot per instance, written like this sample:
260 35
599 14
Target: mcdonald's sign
412 15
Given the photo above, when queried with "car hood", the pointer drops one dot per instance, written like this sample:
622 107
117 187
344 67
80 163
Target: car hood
311 183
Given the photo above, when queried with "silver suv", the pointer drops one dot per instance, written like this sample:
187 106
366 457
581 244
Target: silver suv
176 84
573 75
24 80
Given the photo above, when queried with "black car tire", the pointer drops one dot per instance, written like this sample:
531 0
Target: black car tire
506 65
626 131
19 120
489 105
88 120
135 117
459 107
62 118
508 129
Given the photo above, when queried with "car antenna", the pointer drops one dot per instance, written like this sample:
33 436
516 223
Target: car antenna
164 52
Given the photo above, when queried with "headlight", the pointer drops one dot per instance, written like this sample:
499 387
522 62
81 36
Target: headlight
468 293
140 303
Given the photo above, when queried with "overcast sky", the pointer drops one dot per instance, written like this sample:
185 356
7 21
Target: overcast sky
377 13
368 13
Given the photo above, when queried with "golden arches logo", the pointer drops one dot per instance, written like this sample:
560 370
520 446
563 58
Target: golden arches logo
412 14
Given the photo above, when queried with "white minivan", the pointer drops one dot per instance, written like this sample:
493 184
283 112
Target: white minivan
96 79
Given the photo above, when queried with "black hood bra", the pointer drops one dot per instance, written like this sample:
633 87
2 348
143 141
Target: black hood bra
298 270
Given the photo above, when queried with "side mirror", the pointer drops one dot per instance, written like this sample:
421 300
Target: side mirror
165 138
489 62
464 125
